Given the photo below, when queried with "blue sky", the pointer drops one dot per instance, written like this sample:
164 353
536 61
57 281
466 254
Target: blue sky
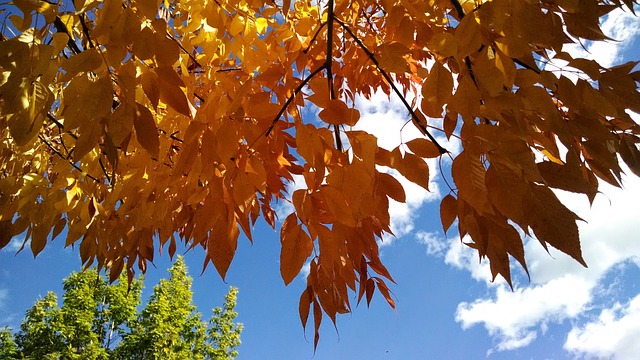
446 305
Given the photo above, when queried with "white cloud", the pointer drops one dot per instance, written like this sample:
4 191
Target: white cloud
435 246
614 334
512 316
561 288
621 26
463 257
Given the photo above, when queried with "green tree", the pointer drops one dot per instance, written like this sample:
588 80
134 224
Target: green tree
169 327
39 335
223 332
99 320
93 313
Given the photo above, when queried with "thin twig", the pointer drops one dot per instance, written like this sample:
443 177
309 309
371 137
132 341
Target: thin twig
314 37
69 160
291 97
386 76
184 50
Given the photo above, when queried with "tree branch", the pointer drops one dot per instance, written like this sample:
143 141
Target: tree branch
414 117
328 64
292 96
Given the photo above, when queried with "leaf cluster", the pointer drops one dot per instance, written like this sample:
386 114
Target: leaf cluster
136 124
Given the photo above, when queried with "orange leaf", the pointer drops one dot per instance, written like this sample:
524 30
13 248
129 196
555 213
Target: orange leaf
466 100
414 169
305 305
337 113
423 148
146 131
392 187
553 223
469 176
448 211
296 248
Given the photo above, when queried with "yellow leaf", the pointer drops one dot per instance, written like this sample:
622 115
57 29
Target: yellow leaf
90 132
237 25
149 81
170 91
86 99
436 90
261 25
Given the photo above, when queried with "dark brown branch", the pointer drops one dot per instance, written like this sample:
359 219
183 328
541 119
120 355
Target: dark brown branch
185 50
104 170
61 27
414 117
292 96
328 64
85 30
61 126
537 71
461 15
456 5
314 38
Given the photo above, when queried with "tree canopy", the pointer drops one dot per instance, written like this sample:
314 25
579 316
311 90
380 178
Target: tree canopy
99 320
135 124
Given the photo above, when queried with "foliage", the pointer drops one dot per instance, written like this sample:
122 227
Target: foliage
93 315
223 332
169 327
99 320
8 347
129 121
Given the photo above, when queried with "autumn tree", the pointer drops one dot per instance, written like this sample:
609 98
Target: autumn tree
135 124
